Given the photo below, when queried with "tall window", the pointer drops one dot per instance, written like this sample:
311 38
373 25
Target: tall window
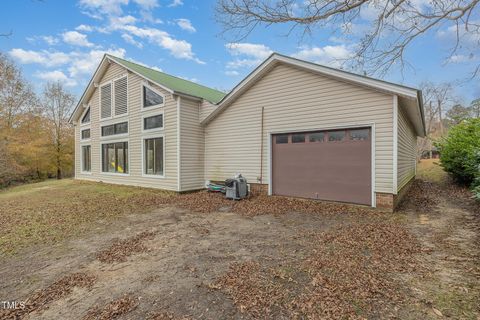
86 117
151 98
121 96
86 159
153 156
115 157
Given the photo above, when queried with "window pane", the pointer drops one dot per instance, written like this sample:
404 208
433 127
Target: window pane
151 98
106 101
86 117
153 122
154 156
359 134
121 127
120 158
108 157
316 137
298 138
336 135
158 156
283 138
108 130
86 134
86 159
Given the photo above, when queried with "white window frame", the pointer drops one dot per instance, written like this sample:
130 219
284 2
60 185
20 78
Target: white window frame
81 158
115 136
153 114
101 157
83 114
153 136
81 136
112 92
145 109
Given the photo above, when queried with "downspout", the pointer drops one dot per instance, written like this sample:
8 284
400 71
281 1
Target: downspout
261 148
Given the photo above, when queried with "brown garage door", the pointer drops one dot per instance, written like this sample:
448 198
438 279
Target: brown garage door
328 165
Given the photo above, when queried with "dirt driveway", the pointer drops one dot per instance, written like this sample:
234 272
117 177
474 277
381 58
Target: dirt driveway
422 262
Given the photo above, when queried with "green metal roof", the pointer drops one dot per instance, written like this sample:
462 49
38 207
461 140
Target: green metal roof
174 83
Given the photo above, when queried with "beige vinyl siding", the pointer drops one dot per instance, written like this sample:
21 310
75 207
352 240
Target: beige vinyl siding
295 99
205 109
135 141
192 146
407 147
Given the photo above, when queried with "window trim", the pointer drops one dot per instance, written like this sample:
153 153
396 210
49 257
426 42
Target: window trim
83 114
112 92
145 109
81 135
148 115
154 176
81 159
101 158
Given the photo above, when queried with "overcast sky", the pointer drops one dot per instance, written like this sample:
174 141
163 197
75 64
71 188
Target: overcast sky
65 40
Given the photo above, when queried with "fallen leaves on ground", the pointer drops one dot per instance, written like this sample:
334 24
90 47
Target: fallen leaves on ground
40 300
260 204
121 249
350 273
167 315
113 310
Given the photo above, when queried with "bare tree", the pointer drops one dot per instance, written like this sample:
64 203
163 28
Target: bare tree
57 104
437 98
394 25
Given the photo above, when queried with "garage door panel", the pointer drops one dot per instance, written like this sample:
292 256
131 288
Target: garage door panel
338 170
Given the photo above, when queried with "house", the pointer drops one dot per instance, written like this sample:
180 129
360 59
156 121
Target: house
291 127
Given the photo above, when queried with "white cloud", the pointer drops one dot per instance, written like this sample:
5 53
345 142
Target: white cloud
248 54
329 55
259 51
176 3
27 56
50 40
232 73
180 49
186 25
147 4
75 38
129 39
84 28
468 37
123 20
459 58
55 76
109 7
86 63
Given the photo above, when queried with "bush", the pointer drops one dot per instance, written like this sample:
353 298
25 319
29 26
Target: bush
460 152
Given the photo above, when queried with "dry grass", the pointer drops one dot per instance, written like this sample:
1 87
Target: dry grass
350 274
41 300
121 249
51 211
431 170
113 309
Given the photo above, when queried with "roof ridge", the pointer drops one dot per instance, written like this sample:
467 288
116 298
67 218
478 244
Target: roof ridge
168 74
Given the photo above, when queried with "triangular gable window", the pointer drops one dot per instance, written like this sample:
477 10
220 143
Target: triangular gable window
151 98
86 117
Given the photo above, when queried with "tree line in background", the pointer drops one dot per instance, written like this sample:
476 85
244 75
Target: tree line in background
36 140
443 110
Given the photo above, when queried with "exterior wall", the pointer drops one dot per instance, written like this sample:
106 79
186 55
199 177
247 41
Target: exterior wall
295 99
407 149
192 144
134 138
205 109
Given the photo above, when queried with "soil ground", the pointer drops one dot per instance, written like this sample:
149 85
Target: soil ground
327 262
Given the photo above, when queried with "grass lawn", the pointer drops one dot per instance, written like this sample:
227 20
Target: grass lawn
133 253
50 211
431 170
